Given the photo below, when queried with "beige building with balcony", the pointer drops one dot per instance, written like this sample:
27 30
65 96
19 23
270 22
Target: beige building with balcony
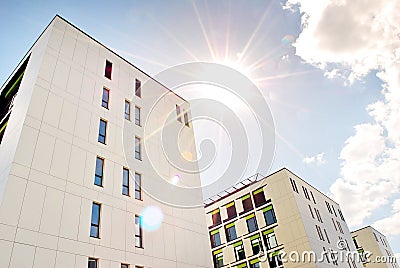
368 239
76 176
276 214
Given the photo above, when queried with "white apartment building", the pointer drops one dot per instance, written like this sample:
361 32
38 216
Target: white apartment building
72 193
368 239
253 223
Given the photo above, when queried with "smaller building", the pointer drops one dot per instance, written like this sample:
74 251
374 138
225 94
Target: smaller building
368 239
274 221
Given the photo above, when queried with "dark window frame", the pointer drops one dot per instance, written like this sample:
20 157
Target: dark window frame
138 88
138 186
138 118
138 148
95 225
230 235
127 114
108 70
254 227
102 136
125 181
138 232
105 98
213 239
93 260
99 177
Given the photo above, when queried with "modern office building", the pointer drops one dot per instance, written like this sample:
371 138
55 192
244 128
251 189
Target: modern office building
75 173
368 239
275 214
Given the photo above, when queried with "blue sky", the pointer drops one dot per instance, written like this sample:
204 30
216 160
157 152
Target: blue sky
315 64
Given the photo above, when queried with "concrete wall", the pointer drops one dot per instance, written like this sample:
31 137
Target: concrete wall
46 208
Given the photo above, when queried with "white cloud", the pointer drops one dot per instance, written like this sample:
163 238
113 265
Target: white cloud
318 159
355 37
390 225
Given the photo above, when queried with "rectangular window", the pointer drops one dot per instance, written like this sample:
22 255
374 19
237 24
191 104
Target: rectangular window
138 232
95 222
186 118
312 196
340 227
275 261
138 186
239 251
123 265
318 215
218 258
231 210
127 110
269 215
247 204
108 70
99 171
230 232
251 223
294 186
256 244
270 239
259 198
312 215
137 116
178 113
255 263
138 88
326 235
341 215
305 192
334 224
216 217
138 149
355 243
92 263
321 236
102 131
328 206
125 181
334 211
215 238
106 97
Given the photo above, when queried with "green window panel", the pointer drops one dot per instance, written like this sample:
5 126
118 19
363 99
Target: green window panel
214 232
249 216
230 225
267 208
237 244
230 204
268 231
258 191
246 196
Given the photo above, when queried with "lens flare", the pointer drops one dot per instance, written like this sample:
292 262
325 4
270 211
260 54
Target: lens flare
287 40
175 179
152 218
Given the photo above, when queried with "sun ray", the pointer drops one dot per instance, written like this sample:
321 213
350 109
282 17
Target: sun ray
203 31
253 35
228 32
166 31
119 51
281 76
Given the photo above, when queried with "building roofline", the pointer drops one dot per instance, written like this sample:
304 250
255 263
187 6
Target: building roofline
255 181
311 186
99 43
366 227
238 188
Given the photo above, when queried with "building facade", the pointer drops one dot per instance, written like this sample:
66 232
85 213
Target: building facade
70 193
368 239
274 221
